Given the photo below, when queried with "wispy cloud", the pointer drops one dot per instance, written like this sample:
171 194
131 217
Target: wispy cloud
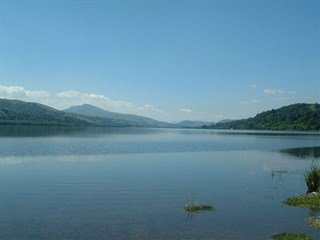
68 94
63 99
21 92
217 117
186 110
253 86
273 91
280 95
248 102
96 99
150 108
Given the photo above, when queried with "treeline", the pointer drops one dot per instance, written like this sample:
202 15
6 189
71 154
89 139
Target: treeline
296 117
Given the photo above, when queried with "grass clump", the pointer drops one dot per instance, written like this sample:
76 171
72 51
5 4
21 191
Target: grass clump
193 206
312 178
305 201
312 198
291 236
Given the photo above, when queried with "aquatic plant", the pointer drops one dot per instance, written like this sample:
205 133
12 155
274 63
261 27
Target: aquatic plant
311 200
312 178
291 236
193 206
277 172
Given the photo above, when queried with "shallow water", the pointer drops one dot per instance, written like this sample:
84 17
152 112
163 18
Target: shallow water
134 183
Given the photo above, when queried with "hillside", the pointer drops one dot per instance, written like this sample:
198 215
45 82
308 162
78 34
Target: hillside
16 112
296 117
90 110
192 124
139 121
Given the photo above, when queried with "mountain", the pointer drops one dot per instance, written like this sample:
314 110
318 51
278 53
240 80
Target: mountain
139 121
16 112
192 124
295 117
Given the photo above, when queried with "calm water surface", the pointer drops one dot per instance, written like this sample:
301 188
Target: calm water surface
58 183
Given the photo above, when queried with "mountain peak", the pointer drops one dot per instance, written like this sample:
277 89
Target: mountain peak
87 109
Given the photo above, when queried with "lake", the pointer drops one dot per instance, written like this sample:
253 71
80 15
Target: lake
133 183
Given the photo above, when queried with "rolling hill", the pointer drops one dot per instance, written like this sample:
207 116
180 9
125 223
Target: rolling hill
139 121
295 117
90 110
16 112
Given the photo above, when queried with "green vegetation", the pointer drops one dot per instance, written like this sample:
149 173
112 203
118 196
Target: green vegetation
291 236
312 198
304 201
192 206
15 112
296 117
312 178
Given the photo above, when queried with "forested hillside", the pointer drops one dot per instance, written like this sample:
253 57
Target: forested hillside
15 112
297 117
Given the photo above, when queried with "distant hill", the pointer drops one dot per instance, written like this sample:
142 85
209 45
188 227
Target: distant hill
139 121
296 117
192 124
225 121
16 112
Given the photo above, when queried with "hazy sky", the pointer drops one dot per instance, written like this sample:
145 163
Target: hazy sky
169 60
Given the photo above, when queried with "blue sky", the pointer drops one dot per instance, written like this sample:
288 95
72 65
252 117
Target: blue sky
169 60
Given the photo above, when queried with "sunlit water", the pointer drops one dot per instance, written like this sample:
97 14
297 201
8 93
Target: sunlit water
134 183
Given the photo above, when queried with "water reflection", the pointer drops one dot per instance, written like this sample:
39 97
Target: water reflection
117 185
51 131
48 131
314 212
305 152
